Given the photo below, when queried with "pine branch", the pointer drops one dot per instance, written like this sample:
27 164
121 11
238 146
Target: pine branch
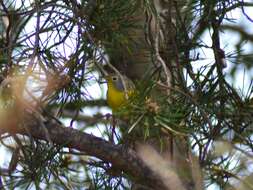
121 157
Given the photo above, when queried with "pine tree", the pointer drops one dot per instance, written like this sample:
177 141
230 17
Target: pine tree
188 126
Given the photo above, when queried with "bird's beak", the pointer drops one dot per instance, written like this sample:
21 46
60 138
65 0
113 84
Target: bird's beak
102 81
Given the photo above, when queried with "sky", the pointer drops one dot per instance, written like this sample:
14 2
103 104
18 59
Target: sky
229 40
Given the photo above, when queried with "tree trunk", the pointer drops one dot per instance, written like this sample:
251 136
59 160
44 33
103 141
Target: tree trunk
152 46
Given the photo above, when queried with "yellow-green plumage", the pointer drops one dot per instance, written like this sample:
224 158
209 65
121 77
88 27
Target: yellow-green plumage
116 94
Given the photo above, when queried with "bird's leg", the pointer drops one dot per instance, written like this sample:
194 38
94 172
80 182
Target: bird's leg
112 131
114 122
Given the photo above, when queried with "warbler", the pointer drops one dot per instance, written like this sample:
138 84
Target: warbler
118 92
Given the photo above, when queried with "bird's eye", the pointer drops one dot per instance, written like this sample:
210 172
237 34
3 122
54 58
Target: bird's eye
114 78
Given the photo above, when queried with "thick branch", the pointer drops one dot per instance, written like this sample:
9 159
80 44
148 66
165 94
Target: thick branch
120 156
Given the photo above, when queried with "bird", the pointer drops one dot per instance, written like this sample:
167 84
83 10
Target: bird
120 89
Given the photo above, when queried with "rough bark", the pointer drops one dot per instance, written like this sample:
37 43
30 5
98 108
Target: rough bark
122 158
155 47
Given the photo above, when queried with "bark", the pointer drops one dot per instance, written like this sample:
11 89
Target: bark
121 157
155 48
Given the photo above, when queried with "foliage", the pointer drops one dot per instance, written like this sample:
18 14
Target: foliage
61 48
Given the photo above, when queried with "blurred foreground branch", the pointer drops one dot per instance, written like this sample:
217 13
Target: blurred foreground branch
121 157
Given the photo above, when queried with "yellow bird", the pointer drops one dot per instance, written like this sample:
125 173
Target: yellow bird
118 91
